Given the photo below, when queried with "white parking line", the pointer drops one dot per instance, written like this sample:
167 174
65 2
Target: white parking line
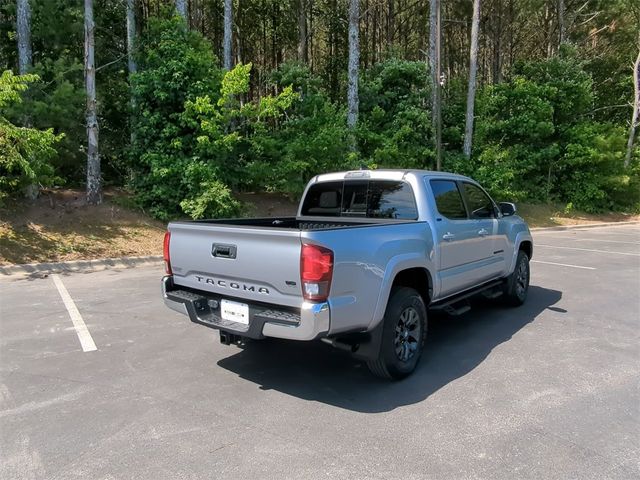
589 250
82 331
563 265
603 240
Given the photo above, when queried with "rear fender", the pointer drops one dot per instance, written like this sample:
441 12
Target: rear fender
396 265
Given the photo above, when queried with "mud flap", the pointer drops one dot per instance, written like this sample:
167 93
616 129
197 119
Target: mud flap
370 344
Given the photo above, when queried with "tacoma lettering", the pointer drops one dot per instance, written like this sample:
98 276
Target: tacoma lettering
233 285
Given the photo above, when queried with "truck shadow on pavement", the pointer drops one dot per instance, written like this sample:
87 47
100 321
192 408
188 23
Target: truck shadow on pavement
455 346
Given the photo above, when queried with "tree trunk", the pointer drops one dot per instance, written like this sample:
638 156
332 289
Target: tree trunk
228 27
94 193
131 35
497 44
310 54
25 62
302 31
561 26
181 7
549 25
23 24
354 63
636 110
473 68
391 23
434 60
333 72
133 67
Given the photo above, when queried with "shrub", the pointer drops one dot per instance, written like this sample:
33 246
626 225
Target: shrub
25 153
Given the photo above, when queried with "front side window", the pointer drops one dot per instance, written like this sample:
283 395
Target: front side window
479 203
448 199
361 198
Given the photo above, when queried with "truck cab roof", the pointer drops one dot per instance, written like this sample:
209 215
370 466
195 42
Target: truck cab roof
385 174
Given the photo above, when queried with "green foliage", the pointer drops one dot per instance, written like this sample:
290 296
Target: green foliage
56 101
593 178
174 167
206 196
395 120
25 153
547 130
516 139
536 141
304 135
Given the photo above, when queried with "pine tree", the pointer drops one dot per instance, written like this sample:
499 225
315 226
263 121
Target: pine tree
473 68
94 191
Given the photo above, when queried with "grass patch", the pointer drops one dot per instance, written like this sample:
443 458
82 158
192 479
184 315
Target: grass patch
554 215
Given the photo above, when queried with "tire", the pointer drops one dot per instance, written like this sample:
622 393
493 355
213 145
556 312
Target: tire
517 285
404 332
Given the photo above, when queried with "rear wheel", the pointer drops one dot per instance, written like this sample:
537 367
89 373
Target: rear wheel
517 285
403 335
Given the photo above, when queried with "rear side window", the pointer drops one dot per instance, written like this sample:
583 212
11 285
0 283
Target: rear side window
448 199
480 205
391 200
361 198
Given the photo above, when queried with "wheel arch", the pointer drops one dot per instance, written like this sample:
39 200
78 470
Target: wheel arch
522 241
527 247
404 274
418 278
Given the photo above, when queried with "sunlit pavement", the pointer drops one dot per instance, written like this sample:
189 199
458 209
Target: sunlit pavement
547 390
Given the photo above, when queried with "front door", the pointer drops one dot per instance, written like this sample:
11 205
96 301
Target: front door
486 243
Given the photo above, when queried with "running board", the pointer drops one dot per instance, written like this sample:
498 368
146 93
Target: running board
448 304
456 311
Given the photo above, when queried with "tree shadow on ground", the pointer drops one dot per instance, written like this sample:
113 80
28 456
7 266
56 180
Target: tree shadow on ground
317 372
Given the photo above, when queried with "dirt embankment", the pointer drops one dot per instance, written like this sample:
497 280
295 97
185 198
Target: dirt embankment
60 226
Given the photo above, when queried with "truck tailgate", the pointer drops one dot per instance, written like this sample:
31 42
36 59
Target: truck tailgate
255 264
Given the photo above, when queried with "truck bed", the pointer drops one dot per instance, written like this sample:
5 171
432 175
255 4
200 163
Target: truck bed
258 259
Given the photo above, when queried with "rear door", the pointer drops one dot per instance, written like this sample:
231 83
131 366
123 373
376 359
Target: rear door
250 263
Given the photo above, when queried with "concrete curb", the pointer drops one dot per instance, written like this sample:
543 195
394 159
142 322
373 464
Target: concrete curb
39 269
578 227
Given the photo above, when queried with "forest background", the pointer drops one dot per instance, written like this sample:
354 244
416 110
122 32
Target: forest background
191 109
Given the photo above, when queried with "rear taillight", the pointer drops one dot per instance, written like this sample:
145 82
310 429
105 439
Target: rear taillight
165 253
316 270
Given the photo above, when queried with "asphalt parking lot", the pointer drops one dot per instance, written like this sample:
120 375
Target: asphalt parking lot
548 390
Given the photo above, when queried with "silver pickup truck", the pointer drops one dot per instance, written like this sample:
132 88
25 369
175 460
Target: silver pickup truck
367 254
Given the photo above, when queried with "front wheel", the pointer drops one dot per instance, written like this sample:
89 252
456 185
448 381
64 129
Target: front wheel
404 333
517 285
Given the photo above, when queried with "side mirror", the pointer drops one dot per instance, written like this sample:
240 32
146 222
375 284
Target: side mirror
507 209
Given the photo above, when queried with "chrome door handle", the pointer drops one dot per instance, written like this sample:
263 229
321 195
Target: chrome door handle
448 236
483 232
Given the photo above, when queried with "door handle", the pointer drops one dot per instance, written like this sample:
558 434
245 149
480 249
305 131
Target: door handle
448 236
483 232
224 251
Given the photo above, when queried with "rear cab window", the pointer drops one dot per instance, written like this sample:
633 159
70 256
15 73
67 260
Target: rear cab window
361 198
